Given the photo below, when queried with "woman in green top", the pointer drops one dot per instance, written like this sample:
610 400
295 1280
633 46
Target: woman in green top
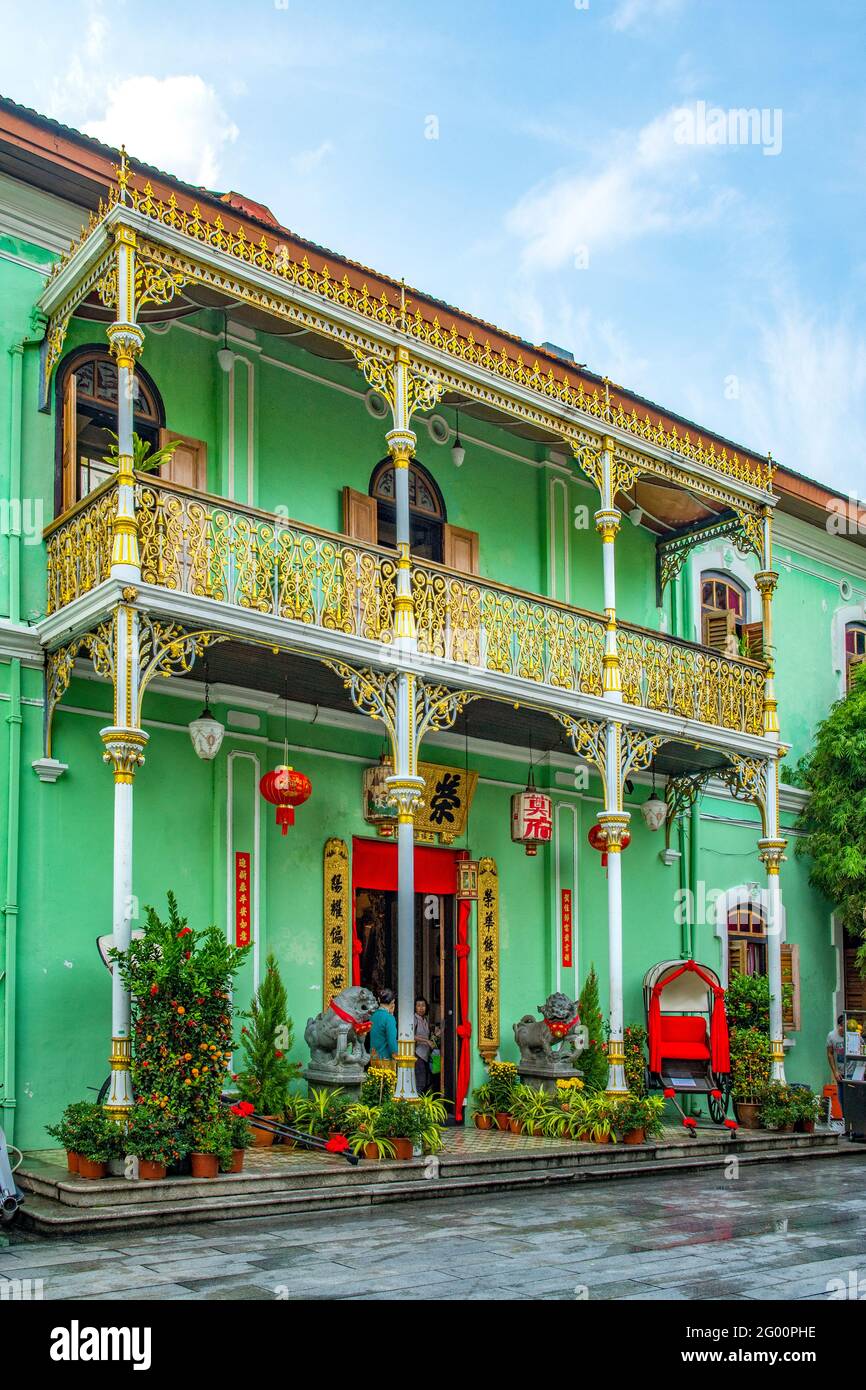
383 1033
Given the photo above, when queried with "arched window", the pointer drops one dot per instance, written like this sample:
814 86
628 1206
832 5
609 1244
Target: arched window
87 419
747 940
426 510
723 612
855 650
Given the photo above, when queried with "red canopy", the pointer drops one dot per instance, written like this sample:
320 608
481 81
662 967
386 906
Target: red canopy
720 1055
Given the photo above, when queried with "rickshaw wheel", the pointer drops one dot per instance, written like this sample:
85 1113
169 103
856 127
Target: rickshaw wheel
719 1108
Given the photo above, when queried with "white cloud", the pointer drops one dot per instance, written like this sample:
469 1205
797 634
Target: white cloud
650 184
630 13
308 160
807 399
176 123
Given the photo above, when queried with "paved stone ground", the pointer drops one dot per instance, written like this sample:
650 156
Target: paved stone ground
776 1232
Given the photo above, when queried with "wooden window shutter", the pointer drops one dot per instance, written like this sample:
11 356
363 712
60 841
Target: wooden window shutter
855 985
737 957
188 464
360 520
790 987
460 549
719 627
853 663
69 489
754 640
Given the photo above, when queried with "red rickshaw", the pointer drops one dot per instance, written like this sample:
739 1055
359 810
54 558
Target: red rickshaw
687 1036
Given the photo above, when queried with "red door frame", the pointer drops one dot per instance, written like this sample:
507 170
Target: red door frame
374 865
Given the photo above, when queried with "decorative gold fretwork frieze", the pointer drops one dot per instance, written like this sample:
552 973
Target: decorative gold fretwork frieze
375 693
99 646
510 378
638 749
166 649
744 777
587 739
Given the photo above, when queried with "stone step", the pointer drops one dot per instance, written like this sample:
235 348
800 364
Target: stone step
50 1216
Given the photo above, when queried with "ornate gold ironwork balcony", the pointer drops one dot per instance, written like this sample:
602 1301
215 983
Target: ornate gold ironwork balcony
197 545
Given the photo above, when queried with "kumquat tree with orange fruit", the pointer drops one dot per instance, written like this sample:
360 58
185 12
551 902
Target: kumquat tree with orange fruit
180 982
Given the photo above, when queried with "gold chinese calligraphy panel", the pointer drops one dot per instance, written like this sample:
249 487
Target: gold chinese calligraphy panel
337 943
488 958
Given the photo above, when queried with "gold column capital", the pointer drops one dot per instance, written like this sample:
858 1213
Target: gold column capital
772 853
124 750
614 824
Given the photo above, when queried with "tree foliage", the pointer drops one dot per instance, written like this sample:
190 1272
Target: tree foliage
593 1062
834 820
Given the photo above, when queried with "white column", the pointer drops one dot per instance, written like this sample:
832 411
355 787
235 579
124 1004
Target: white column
124 745
406 786
772 855
607 522
614 821
125 341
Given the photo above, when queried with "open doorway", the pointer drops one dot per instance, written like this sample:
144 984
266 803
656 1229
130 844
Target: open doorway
435 969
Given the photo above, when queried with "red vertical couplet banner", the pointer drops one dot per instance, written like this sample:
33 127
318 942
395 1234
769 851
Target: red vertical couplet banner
567 928
464 1027
243 934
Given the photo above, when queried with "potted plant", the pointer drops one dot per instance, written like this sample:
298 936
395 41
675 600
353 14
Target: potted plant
210 1147
378 1085
399 1121
366 1137
601 1119
567 1088
634 1046
639 1118
750 1072
778 1108
482 1106
152 1136
241 1134
530 1106
432 1114
807 1109
266 1040
592 1063
502 1078
97 1140
67 1131
322 1112
571 1120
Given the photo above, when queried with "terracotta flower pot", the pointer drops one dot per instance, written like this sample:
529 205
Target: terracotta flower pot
585 1137
204 1165
538 1133
483 1121
263 1138
503 1119
403 1148
237 1160
370 1151
747 1113
601 1139
634 1136
805 1126
72 1161
88 1169
516 1126
149 1170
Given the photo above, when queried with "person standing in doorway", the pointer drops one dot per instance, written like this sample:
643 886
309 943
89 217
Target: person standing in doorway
383 1032
836 1058
423 1046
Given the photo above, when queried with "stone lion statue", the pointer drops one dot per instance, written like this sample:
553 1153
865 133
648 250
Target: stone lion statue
558 1028
335 1036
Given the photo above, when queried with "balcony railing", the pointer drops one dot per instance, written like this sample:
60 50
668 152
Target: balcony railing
197 545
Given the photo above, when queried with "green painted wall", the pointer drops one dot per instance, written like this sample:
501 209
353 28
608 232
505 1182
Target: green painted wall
307 440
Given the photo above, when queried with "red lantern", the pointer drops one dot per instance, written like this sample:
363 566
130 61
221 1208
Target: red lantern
285 789
597 837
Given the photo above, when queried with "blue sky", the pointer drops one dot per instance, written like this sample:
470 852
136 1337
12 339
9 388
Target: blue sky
572 191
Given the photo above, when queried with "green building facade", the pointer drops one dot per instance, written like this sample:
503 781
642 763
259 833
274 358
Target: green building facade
262 560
